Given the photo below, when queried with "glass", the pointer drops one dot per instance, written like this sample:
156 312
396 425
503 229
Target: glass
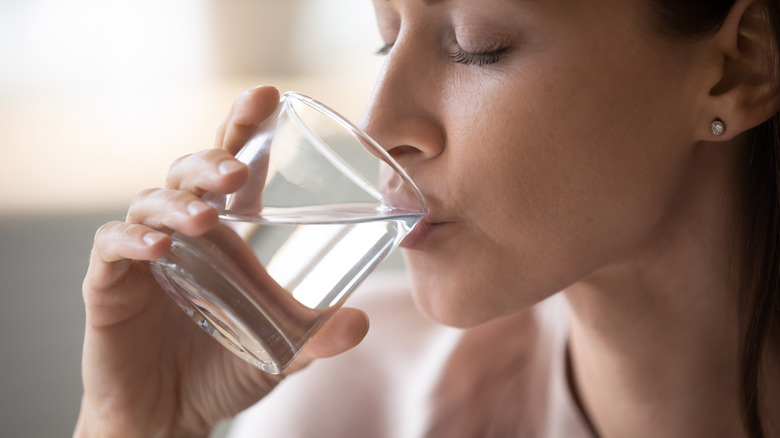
323 206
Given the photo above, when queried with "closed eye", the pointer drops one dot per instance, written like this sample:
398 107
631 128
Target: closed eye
461 56
384 50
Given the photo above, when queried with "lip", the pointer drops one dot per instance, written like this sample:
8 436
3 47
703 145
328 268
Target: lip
420 232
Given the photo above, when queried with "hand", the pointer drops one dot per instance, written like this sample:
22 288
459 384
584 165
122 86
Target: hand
147 369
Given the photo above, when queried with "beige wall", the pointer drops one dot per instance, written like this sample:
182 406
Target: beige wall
97 98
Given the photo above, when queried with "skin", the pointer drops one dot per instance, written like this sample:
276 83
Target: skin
147 370
566 155
579 158
599 181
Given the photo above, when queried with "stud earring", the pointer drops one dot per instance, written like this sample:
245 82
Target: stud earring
717 127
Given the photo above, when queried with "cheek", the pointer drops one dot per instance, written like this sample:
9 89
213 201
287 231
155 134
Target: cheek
553 182
583 153
556 171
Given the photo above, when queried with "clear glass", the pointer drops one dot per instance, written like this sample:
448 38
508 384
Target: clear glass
323 206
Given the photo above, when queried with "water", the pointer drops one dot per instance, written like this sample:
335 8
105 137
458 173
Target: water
263 285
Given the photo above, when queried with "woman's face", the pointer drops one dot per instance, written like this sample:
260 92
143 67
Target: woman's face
549 138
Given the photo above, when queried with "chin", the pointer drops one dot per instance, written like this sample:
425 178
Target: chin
447 302
461 297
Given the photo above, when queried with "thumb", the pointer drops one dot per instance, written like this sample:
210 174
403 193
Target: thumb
345 329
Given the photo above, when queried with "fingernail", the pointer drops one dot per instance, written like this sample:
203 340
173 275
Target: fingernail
229 166
151 238
194 208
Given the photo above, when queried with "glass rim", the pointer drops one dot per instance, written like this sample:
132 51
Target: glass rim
368 141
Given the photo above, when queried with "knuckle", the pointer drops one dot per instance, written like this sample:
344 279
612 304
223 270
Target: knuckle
189 169
103 230
144 194
174 170
138 200
105 234
212 155
182 159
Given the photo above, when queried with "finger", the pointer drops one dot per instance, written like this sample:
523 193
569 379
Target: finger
211 170
115 245
342 332
119 240
175 210
249 109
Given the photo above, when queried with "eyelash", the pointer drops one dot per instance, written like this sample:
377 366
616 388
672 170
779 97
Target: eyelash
384 50
463 57
479 59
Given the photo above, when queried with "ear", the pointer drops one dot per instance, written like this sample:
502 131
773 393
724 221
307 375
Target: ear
744 82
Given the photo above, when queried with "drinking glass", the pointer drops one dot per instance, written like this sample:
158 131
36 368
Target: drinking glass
323 206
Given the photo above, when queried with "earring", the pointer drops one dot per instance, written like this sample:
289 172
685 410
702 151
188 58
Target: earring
717 127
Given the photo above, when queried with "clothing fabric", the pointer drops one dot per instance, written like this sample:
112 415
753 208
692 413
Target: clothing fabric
412 377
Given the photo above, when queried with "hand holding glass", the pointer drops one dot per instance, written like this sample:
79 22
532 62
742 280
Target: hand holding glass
324 204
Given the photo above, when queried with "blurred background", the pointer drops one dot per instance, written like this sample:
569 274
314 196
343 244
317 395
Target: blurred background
97 98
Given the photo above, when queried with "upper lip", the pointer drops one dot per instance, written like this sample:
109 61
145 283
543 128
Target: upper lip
404 199
433 212
431 218
398 193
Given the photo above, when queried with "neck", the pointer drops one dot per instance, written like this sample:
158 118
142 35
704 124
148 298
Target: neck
655 335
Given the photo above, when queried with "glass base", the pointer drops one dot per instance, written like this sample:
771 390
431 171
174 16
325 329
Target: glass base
203 291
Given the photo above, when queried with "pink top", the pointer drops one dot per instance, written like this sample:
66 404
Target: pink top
414 378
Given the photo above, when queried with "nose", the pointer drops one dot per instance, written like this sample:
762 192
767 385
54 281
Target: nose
402 113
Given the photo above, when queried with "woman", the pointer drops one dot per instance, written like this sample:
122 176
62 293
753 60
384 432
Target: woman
624 152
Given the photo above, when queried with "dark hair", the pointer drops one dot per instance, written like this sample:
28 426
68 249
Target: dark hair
759 298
